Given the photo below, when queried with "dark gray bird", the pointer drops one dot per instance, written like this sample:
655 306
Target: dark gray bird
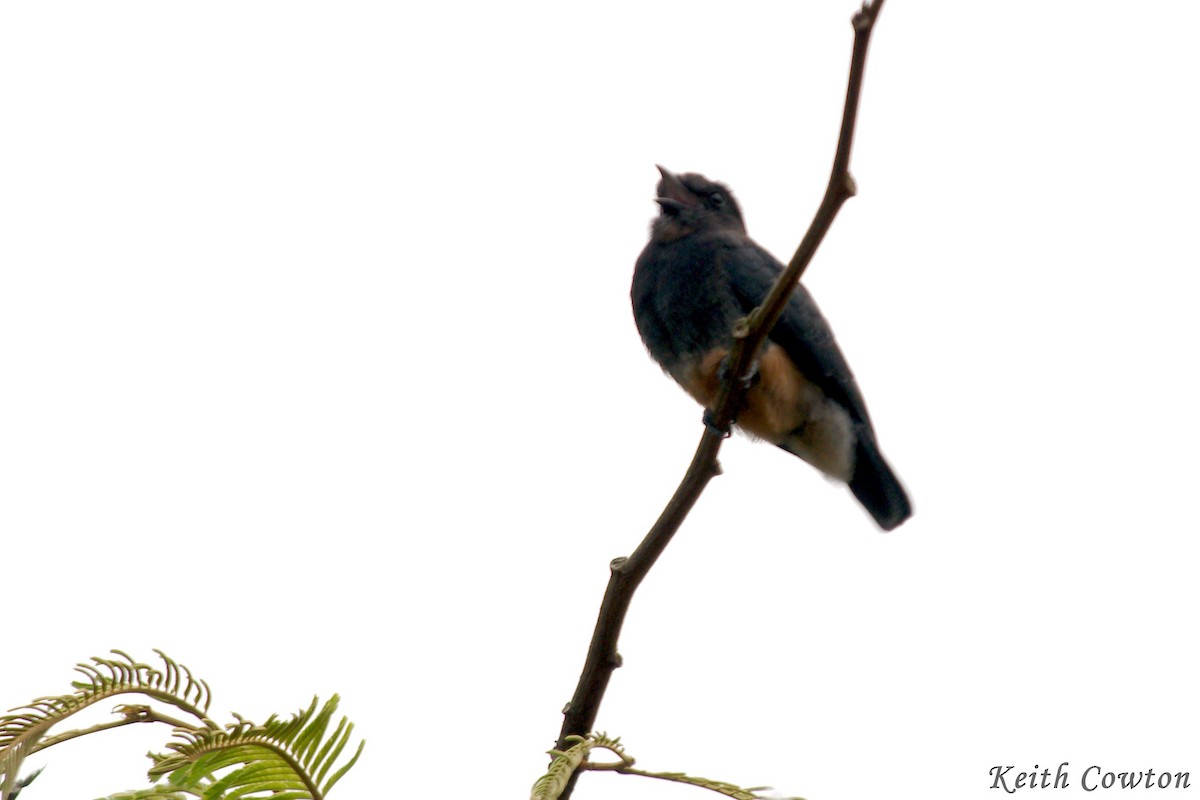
700 274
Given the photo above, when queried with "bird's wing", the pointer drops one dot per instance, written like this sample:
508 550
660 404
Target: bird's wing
802 331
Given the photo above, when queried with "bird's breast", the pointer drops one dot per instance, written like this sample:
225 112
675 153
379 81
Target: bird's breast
782 406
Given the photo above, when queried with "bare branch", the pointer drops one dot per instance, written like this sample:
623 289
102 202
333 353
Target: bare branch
627 573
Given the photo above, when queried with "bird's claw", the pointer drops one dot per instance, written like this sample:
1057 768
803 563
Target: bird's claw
710 422
748 380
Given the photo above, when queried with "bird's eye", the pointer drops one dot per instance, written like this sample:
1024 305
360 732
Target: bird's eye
716 200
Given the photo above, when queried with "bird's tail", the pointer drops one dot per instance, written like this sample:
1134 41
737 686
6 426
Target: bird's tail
876 486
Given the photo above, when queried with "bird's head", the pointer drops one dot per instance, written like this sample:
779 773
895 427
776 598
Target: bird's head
691 202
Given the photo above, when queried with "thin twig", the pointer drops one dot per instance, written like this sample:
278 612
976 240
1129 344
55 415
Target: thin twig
627 573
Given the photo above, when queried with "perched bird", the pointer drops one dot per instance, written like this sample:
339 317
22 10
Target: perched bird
700 274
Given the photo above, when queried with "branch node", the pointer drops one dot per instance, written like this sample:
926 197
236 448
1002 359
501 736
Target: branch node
865 17
746 324
849 185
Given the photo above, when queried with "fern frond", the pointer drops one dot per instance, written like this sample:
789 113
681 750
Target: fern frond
13 756
25 730
287 758
153 793
550 786
173 684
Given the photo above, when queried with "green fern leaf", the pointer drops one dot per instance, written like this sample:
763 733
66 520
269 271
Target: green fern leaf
550 786
153 793
26 730
106 678
284 759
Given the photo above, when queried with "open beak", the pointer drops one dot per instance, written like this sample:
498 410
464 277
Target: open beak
672 194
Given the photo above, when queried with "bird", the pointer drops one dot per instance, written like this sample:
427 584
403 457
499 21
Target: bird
700 274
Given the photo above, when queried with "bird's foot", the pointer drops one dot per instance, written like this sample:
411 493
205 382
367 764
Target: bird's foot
748 381
710 422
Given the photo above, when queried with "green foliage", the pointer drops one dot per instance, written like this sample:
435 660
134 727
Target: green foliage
282 759
551 785
288 759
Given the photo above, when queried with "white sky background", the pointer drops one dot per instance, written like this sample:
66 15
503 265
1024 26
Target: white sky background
317 371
